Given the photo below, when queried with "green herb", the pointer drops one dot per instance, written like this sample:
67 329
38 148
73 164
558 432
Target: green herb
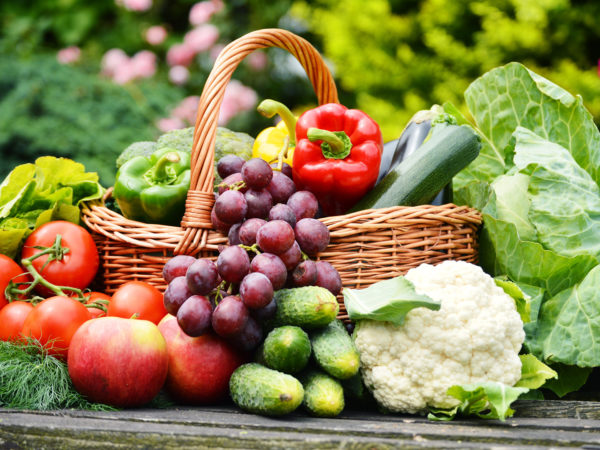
388 300
32 379
33 194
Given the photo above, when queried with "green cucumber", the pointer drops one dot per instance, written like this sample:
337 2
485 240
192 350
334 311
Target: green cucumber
424 173
286 349
307 307
260 390
334 351
323 395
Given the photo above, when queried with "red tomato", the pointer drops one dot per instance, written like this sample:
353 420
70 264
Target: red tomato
91 298
79 265
9 270
54 321
12 317
137 297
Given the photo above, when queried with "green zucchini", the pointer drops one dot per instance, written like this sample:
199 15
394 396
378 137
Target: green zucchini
424 173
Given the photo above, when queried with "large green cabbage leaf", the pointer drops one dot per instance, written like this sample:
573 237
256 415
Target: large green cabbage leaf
536 182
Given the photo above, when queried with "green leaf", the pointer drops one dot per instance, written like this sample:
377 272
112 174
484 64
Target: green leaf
511 96
534 373
475 194
502 252
565 200
521 299
388 300
569 324
488 400
570 379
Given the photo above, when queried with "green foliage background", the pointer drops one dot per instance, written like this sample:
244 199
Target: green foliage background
390 58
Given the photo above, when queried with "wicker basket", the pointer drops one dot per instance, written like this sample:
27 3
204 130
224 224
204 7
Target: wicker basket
366 246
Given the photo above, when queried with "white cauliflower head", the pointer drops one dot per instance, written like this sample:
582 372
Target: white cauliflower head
474 337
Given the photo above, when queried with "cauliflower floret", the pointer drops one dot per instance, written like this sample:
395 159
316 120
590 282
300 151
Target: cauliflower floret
474 337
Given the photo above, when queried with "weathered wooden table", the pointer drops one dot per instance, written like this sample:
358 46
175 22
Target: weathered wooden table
541 424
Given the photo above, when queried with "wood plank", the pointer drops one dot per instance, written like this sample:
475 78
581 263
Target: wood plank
227 427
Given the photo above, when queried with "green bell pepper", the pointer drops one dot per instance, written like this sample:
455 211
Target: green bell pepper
154 189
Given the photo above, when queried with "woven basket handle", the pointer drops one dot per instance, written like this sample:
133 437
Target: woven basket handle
196 220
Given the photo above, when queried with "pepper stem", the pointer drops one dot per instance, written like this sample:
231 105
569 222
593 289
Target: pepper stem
269 108
160 169
336 144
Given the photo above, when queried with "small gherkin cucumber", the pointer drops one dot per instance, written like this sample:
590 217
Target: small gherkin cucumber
260 390
286 349
334 351
323 395
306 307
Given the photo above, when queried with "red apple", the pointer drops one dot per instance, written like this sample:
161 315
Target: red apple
199 367
119 362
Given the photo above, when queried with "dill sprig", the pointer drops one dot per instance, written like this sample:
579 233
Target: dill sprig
30 378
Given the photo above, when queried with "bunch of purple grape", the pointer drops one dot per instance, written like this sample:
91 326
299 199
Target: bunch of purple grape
196 294
259 208
272 234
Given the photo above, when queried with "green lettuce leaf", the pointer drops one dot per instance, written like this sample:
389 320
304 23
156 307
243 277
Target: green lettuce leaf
568 326
33 194
389 301
534 373
511 96
489 400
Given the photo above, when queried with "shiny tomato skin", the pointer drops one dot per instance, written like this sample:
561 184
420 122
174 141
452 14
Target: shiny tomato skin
137 298
9 270
91 298
54 321
12 317
79 265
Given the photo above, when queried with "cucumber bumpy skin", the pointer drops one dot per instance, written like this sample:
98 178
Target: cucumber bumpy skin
287 349
323 395
260 390
334 351
307 307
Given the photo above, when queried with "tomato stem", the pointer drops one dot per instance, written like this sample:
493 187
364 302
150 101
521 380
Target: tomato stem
56 252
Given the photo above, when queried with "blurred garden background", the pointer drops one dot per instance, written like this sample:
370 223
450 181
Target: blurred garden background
84 79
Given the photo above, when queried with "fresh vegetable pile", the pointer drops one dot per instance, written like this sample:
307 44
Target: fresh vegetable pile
259 324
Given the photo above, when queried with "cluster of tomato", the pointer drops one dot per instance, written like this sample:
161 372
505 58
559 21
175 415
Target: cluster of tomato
47 297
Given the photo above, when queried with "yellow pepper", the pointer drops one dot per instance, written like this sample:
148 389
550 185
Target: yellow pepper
276 143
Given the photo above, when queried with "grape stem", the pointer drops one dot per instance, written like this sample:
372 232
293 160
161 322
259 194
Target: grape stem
250 248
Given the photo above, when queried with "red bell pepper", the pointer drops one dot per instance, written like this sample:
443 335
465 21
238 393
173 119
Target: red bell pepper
337 156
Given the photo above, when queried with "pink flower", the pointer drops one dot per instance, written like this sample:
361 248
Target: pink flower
112 60
215 51
218 5
201 12
144 64
187 109
68 55
257 60
179 74
156 35
170 123
124 73
238 98
180 55
201 38
135 5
